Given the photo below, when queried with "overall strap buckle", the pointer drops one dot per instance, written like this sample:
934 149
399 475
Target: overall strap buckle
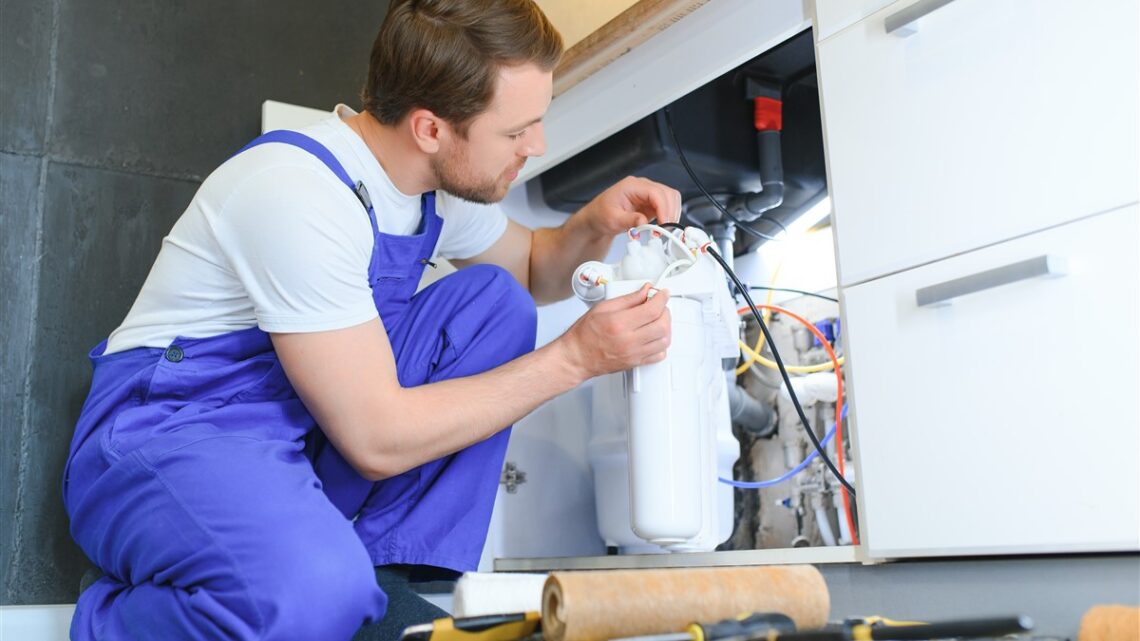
362 193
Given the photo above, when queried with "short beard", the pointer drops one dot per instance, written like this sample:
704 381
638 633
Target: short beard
453 179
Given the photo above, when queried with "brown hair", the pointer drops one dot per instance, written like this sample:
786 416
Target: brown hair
444 55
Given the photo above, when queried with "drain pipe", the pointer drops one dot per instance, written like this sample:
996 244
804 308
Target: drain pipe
749 206
753 416
723 233
768 119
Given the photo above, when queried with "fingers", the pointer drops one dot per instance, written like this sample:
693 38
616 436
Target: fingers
653 351
651 310
662 202
650 337
638 308
626 301
658 201
632 202
648 344
672 211
626 331
657 336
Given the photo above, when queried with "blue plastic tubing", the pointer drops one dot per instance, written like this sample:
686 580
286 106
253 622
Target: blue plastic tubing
755 485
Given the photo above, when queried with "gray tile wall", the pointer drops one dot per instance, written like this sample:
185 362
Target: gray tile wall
111 114
26 38
19 229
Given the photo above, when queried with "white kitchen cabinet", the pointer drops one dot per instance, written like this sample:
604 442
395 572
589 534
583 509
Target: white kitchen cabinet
983 169
995 118
999 132
832 16
1004 419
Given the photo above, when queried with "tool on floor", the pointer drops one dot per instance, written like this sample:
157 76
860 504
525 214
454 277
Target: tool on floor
867 630
493 627
745 625
957 629
777 627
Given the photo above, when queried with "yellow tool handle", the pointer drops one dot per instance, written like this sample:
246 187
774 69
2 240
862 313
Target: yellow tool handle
494 627
746 625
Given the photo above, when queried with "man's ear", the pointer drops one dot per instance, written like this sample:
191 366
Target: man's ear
427 129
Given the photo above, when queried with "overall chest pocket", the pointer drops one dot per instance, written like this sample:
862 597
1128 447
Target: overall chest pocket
389 274
399 257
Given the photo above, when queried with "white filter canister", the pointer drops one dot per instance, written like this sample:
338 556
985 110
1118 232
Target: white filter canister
665 448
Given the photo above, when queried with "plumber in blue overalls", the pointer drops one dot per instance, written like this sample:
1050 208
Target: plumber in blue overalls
268 484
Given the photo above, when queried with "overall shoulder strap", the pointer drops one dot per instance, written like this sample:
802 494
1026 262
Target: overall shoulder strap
322 154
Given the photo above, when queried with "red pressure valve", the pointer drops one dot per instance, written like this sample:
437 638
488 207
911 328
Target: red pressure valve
769 114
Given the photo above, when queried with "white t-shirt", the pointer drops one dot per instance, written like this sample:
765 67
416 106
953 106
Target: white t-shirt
274 239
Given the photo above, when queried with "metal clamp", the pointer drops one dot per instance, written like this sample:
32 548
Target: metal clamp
944 293
905 21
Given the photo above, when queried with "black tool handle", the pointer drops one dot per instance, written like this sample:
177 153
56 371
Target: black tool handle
745 626
486 621
965 628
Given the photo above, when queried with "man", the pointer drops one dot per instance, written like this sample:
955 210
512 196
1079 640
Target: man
280 412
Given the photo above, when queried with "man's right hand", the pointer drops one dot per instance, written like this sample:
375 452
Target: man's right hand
348 380
620 333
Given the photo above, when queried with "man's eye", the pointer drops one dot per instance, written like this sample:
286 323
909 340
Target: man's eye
518 135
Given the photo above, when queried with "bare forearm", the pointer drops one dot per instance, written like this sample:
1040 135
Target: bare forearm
557 252
348 380
430 421
587 235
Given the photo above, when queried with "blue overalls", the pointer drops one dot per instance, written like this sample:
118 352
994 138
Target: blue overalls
204 490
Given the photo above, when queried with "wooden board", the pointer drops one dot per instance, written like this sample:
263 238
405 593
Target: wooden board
618 37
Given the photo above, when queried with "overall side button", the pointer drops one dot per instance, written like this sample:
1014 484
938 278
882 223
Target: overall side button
174 354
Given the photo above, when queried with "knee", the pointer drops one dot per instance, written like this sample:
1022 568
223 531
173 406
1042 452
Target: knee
492 280
508 302
329 594
509 307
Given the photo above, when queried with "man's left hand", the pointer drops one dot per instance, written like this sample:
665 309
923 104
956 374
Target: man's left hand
631 202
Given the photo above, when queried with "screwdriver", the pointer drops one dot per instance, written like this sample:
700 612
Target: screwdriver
777 627
492 627
748 625
957 629
863 631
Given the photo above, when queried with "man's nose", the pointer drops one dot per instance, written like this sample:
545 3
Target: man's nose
536 141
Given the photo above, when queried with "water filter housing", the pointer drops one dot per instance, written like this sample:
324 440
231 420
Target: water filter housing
662 432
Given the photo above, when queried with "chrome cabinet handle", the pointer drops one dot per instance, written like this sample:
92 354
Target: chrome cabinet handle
903 20
944 293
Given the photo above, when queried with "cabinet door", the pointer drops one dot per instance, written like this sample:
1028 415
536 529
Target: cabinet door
1006 420
833 16
994 119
